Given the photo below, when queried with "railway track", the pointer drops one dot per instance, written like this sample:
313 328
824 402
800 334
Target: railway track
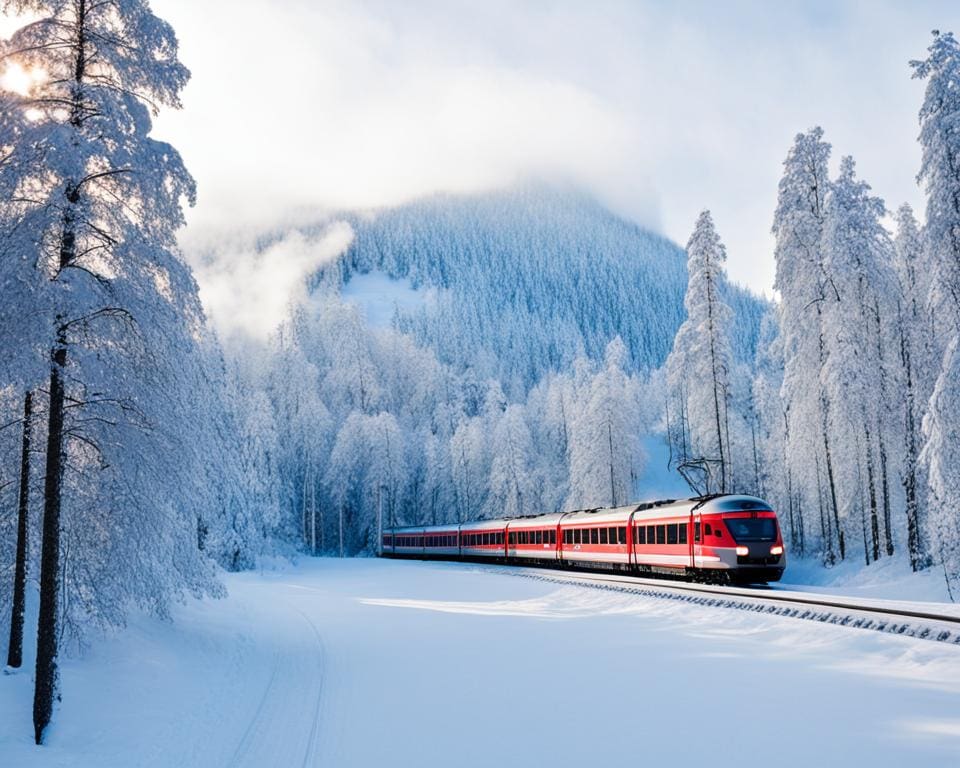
939 626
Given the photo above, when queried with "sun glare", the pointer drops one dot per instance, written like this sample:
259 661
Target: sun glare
17 79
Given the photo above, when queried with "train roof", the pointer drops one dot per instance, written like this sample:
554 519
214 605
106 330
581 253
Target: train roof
705 504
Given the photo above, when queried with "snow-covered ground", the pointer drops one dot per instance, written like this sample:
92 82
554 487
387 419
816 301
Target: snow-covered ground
888 579
378 663
379 297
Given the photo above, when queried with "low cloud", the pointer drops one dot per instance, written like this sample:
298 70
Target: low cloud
250 290
300 108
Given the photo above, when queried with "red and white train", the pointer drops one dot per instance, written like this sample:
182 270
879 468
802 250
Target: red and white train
724 538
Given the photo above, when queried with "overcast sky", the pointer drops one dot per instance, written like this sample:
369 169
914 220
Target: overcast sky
659 108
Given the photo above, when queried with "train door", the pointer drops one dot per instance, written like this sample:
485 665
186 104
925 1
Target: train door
696 539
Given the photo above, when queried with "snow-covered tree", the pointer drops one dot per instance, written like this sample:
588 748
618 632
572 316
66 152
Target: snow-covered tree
941 457
802 282
940 168
700 365
860 365
940 177
915 328
470 461
365 477
605 454
514 487
89 237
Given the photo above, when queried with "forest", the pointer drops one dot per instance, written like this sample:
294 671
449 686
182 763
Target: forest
141 452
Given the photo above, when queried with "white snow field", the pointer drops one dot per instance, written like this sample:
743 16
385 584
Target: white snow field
383 663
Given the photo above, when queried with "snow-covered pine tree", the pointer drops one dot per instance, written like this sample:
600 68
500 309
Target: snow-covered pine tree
940 168
915 327
700 365
605 454
802 283
89 233
859 372
940 177
514 490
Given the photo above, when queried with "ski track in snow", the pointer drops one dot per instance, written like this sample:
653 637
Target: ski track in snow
370 663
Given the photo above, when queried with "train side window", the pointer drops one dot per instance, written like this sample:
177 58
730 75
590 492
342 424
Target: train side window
683 533
622 535
672 533
603 536
612 533
641 534
553 537
576 536
661 534
594 536
707 530
651 534
696 531
512 538
538 537
567 538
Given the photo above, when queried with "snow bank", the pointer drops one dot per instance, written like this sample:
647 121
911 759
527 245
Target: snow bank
371 663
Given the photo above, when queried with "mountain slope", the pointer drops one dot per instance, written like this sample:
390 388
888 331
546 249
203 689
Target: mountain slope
528 279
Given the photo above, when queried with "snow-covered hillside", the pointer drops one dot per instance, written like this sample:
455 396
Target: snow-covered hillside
532 277
363 662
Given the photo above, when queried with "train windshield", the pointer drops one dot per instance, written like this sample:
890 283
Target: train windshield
745 529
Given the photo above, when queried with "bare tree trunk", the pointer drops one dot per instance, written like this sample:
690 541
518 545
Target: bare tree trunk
862 505
914 543
872 490
828 457
610 454
45 689
884 480
15 650
833 493
313 512
304 521
885 497
825 532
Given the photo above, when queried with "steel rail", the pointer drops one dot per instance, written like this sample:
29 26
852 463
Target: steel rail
756 594
942 627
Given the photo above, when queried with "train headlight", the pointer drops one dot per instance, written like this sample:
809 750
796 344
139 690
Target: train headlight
776 550
743 551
